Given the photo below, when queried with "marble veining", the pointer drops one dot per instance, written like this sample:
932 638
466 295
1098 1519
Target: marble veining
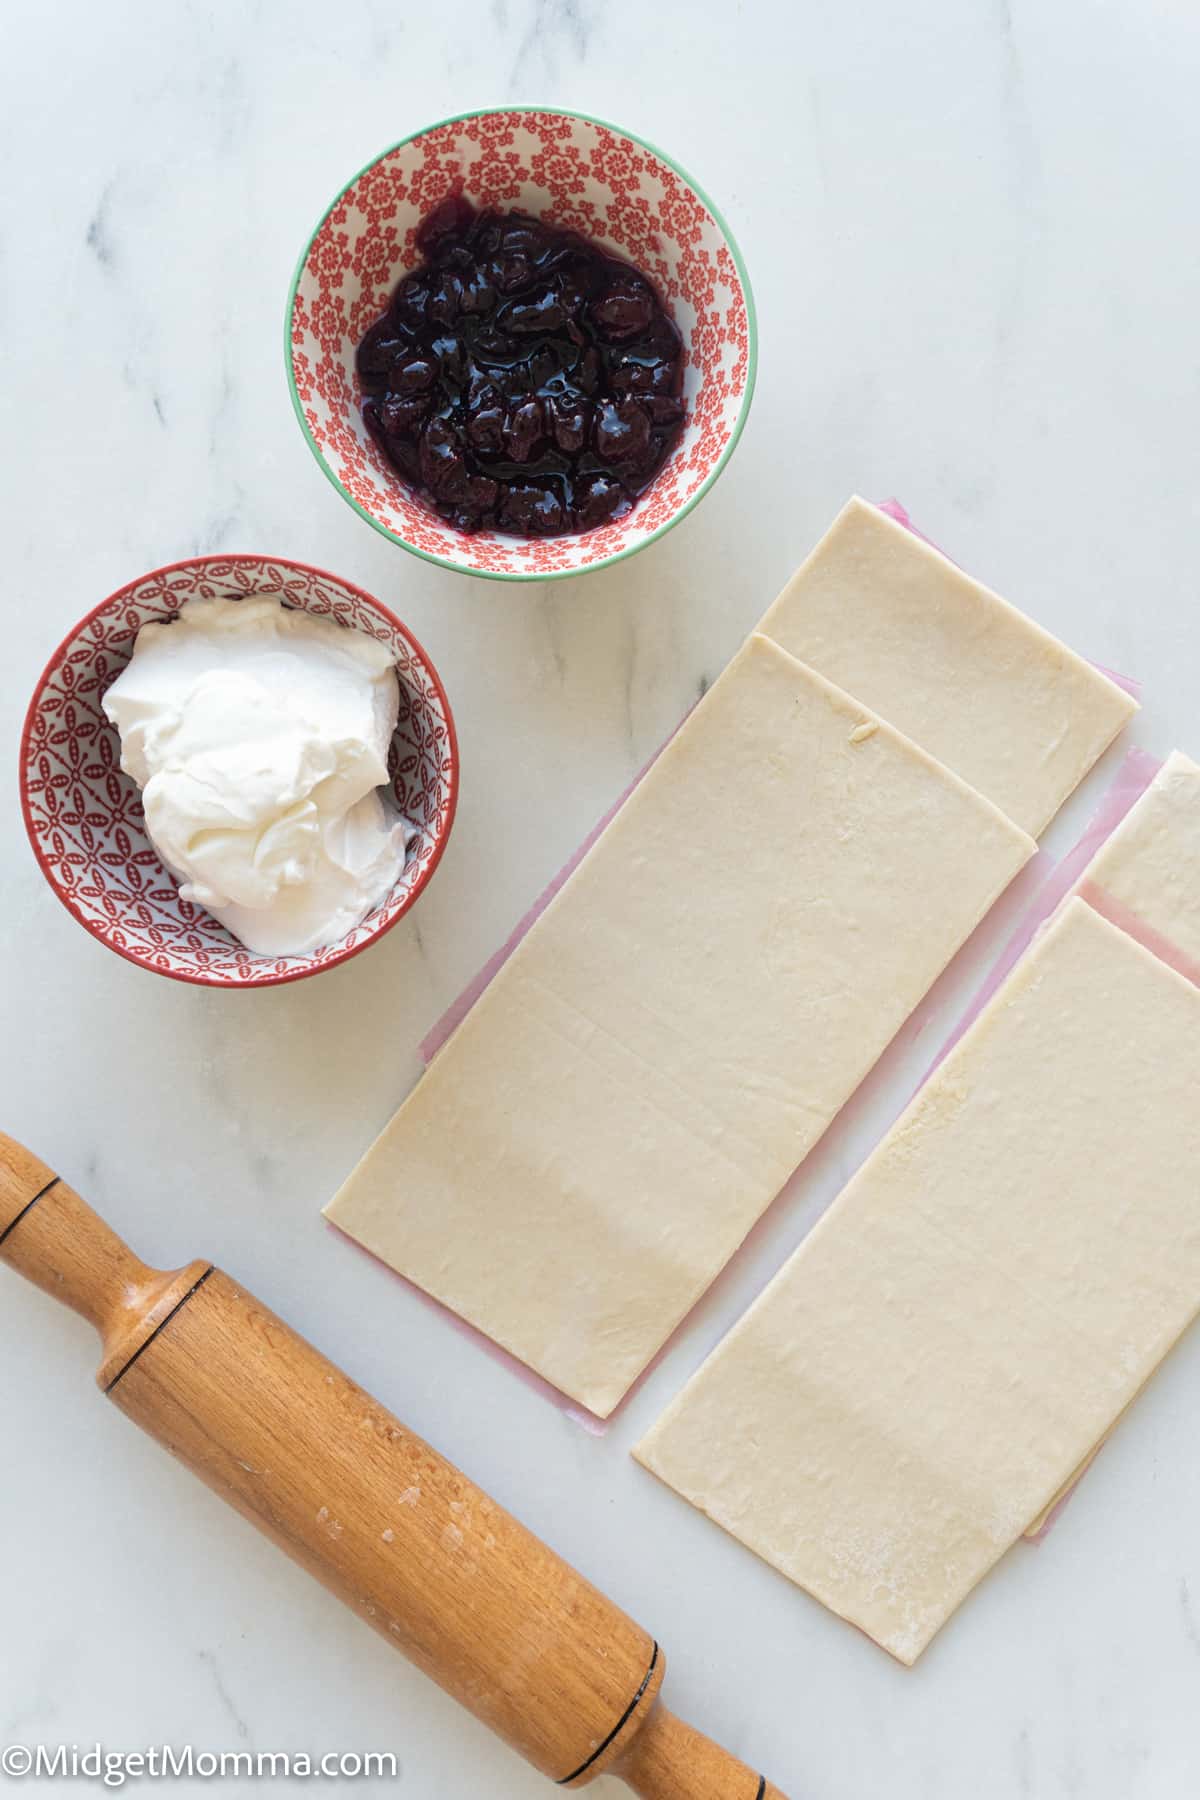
971 234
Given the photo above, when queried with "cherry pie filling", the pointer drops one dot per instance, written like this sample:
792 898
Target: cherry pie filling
522 380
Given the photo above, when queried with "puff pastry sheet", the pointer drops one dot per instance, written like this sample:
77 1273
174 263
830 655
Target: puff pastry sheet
964 1325
1150 866
681 1025
985 690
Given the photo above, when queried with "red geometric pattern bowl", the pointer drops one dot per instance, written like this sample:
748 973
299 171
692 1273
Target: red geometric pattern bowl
84 817
577 172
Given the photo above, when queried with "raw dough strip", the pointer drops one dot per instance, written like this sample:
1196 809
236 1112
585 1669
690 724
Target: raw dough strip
947 604
955 1337
1144 841
886 616
1146 877
706 991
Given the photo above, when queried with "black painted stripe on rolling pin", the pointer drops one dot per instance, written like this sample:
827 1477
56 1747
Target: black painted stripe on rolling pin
566 1780
161 1326
29 1207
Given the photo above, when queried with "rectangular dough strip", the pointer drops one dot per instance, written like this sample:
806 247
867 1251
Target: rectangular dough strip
953 1340
1145 878
860 540
886 616
674 1034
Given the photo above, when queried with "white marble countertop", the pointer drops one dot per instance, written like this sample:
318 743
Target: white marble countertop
972 234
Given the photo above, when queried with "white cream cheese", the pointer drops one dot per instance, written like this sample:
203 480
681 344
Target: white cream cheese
259 738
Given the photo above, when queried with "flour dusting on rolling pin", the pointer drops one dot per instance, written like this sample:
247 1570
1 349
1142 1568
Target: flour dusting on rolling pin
259 737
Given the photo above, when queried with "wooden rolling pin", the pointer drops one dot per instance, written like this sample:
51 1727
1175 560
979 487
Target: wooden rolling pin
419 1552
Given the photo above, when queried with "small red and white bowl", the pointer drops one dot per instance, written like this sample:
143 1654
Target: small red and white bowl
577 172
84 816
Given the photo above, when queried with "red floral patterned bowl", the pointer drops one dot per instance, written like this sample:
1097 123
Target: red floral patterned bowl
581 173
84 817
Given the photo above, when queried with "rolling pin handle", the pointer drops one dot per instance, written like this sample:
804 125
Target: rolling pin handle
53 1238
669 1760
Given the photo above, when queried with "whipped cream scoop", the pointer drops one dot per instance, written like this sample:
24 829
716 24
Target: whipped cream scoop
259 738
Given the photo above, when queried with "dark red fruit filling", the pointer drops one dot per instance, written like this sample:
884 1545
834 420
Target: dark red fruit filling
521 378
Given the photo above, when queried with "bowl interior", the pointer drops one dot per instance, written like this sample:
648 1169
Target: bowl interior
578 173
85 816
